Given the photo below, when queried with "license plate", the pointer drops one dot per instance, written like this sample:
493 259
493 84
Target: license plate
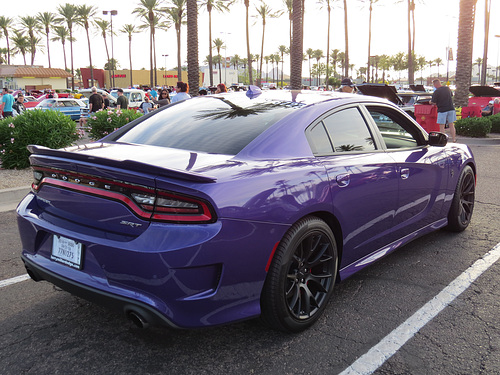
67 251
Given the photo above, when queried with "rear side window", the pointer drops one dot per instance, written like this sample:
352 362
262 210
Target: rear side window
348 131
212 125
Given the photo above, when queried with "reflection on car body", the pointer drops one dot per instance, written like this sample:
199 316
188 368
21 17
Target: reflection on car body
233 206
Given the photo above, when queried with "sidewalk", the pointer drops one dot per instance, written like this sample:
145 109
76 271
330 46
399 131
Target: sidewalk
9 198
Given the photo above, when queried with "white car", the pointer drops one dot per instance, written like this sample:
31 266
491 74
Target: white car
135 97
88 92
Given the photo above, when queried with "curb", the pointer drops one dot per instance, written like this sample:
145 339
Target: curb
10 198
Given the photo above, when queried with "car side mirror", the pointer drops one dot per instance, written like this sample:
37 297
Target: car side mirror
438 139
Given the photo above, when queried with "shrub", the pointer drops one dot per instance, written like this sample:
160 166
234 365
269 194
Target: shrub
495 123
45 128
102 123
473 126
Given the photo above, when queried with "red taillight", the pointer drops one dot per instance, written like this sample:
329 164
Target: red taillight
145 202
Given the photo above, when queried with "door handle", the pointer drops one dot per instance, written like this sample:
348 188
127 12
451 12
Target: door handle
343 179
405 173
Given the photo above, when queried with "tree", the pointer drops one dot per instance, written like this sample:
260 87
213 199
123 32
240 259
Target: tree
85 13
318 55
218 44
310 53
176 16
21 44
32 26
289 8
192 47
264 12
346 35
370 9
69 15
327 4
479 62
103 26
62 34
6 25
149 12
249 55
47 19
438 62
411 40
385 65
112 64
128 29
282 50
219 6
335 58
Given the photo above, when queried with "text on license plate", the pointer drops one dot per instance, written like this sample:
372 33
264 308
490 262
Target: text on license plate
67 251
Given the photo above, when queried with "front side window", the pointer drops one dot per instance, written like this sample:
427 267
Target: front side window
394 130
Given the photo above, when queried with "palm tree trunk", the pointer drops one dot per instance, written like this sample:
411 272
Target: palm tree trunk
410 51
211 72
259 76
369 42
192 46
130 59
71 52
48 48
64 54
346 66
151 31
328 49
90 60
179 61
249 55
107 55
154 58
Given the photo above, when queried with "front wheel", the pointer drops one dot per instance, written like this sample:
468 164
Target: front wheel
460 213
301 277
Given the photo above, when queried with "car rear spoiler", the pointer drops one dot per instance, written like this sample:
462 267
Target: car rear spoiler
40 152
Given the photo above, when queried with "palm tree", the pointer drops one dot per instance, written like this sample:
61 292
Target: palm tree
21 44
264 11
6 25
479 62
411 40
318 54
149 11
310 53
47 19
62 34
327 4
438 62
176 16
3 55
335 59
385 65
370 8
69 15
346 53
297 55
249 55
267 67
128 29
289 8
236 61
31 25
218 44
103 26
282 50
192 47
464 51
85 13
219 6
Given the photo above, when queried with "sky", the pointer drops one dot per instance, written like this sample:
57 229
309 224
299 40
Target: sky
436 29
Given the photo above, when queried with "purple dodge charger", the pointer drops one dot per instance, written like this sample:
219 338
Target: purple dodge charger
233 206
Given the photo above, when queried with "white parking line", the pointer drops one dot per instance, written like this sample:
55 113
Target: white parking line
13 280
390 344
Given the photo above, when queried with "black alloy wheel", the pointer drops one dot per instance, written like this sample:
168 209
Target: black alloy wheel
462 206
301 277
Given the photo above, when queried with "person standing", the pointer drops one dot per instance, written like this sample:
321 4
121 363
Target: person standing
95 101
346 86
18 107
181 90
122 101
153 93
105 100
7 102
443 99
164 98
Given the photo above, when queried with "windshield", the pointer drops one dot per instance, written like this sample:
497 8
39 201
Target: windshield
209 124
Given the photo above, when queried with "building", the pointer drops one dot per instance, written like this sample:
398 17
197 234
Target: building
32 77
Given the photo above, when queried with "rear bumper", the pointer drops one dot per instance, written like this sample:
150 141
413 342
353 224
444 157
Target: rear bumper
111 301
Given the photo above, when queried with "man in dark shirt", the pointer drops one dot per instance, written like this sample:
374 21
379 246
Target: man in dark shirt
95 101
122 101
106 100
442 98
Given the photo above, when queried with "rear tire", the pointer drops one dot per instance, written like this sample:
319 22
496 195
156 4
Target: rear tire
460 213
301 277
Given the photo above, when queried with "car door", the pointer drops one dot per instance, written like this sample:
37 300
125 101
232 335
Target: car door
363 181
422 170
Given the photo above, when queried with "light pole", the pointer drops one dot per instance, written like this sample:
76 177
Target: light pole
165 71
111 14
225 55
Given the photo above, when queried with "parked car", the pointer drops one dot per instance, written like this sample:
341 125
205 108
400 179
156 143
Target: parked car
233 206
68 106
30 101
88 92
135 97
388 92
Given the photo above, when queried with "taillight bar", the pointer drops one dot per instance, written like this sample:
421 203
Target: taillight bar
146 202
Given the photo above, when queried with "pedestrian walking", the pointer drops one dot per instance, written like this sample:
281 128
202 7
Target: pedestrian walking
443 99
96 103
